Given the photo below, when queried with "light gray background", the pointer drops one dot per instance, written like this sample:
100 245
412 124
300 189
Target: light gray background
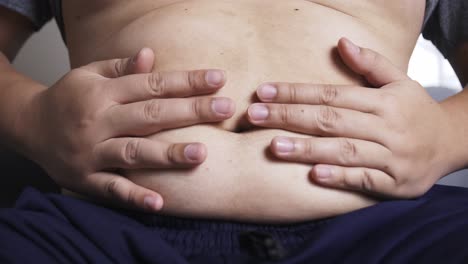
44 58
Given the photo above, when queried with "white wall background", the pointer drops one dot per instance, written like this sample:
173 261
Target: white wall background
44 58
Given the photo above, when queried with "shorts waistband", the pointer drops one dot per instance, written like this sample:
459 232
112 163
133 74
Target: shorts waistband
218 237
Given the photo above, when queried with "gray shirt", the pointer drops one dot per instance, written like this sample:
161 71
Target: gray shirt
446 24
38 11
445 21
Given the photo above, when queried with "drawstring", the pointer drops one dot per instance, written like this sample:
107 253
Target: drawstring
262 245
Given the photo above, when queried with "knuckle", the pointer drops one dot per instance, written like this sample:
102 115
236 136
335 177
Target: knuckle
171 154
156 84
197 109
285 114
152 111
130 197
119 67
348 150
130 152
111 187
346 181
328 94
192 79
308 149
326 118
115 189
367 181
293 92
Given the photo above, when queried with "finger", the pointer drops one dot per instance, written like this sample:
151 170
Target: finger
318 120
148 117
140 153
370 181
335 151
351 97
142 62
140 87
377 69
123 192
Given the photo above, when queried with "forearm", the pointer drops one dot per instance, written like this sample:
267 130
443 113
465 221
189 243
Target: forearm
456 108
16 91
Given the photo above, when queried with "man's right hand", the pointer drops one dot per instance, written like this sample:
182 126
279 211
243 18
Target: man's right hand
91 123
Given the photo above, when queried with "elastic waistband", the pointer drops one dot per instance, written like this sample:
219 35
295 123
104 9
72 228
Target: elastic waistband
218 237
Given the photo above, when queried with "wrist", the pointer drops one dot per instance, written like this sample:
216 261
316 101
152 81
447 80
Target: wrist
26 122
455 132
16 96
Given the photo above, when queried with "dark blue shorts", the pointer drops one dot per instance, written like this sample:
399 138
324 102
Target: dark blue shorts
59 229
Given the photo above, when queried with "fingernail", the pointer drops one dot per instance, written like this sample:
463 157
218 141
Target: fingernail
323 172
214 78
267 92
192 152
353 47
284 145
152 203
221 106
258 112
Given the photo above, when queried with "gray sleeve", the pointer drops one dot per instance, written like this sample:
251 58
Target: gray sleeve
446 24
38 11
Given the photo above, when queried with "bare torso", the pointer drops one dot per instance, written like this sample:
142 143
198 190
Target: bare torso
254 41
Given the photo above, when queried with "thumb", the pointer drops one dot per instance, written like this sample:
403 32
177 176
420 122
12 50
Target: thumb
377 69
142 62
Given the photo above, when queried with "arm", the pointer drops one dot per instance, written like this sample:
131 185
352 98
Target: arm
457 106
15 89
14 30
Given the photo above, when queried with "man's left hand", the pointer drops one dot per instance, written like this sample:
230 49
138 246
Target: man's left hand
392 142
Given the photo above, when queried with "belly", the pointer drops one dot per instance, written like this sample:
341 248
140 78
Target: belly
240 180
254 42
